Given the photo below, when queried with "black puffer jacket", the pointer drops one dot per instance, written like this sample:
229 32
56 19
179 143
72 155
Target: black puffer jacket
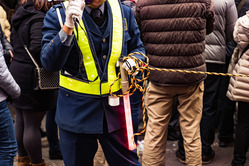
27 23
174 32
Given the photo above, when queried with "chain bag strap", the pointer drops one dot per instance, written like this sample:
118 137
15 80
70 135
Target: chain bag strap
43 79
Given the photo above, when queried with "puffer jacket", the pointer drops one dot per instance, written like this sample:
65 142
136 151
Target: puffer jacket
238 89
8 86
225 19
4 23
174 32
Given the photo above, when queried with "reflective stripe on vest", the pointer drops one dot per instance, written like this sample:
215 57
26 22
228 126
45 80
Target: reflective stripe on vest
96 87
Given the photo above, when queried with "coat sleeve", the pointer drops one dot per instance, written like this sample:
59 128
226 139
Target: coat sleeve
7 82
135 44
6 43
210 16
231 18
35 38
54 53
6 47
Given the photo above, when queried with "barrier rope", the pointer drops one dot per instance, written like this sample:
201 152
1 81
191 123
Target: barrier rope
144 68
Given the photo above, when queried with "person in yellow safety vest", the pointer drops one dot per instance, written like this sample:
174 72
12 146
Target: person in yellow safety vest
86 49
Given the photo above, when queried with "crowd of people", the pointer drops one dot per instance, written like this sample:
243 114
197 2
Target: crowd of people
86 40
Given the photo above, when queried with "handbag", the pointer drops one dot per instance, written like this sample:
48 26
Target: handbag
43 79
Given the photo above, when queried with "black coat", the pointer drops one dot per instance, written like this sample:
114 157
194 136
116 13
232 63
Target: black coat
26 24
243 10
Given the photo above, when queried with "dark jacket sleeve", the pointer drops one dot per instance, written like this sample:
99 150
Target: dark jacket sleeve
135 44
54 53
6 47
210 16
35 39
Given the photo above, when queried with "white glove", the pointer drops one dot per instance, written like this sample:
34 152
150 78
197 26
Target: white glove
74 11
130 66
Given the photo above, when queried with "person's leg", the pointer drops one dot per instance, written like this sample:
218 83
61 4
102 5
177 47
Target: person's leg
52 135
8 145
159 103
32 136
23 158
172 134
99 158
190 112
115 147
77 149
226 109
242 135
135 100
180 153
209 111
19 130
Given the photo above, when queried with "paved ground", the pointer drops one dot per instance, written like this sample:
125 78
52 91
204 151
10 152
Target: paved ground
223 155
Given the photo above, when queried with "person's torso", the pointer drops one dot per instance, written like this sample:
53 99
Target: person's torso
27 23
174 37
86 112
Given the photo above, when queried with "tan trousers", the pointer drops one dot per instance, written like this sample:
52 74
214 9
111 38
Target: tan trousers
99 158
159 101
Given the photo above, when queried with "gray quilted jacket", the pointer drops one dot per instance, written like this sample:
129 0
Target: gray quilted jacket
225 19
8 86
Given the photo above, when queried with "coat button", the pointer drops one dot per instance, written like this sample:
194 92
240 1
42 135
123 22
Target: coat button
104 57
104 40
67 94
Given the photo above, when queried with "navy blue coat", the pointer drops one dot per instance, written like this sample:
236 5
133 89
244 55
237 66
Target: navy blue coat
77 112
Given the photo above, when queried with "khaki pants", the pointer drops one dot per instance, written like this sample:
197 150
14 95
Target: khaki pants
159 101
99 158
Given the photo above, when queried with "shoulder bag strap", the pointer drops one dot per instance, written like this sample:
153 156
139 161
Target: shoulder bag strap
240 5
27 50
245 49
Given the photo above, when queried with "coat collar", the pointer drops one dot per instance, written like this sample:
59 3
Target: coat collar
93 28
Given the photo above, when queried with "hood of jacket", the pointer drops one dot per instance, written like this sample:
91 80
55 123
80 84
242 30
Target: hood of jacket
241 32
26 11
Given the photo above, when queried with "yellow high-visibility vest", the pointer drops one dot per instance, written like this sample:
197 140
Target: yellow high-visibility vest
97 87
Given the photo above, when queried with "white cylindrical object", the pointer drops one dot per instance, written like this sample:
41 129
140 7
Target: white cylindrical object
113 101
